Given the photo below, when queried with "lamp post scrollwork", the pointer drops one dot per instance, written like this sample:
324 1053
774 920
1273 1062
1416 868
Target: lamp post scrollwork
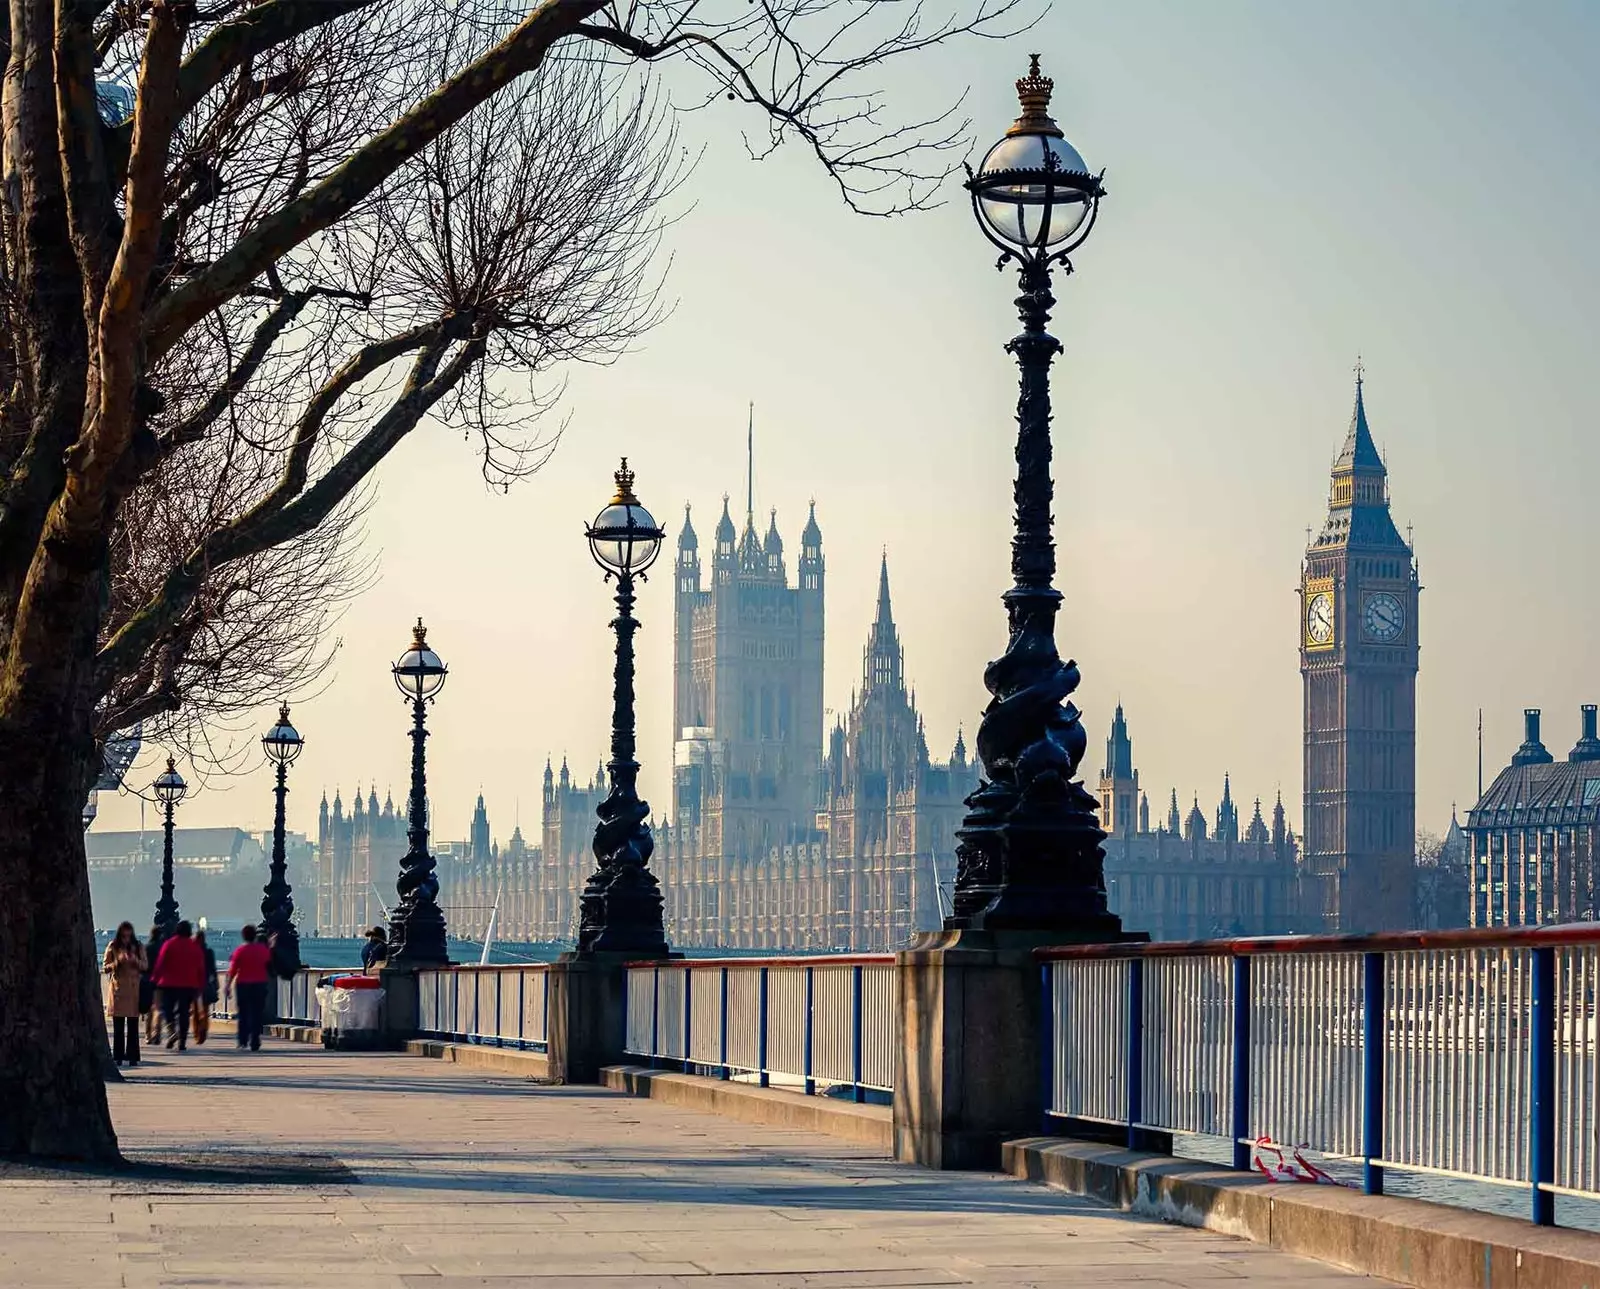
620 910
170 789
416 927
282 744
1029 851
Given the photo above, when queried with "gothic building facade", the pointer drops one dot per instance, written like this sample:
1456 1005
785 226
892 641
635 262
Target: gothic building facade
357 860
1534 835
1358 660
1185 879
772 838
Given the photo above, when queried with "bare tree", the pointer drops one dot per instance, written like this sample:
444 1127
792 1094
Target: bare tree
323 222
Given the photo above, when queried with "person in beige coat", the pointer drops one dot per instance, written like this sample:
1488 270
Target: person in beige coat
125 964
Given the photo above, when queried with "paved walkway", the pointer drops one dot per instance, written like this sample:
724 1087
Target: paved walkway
302 1167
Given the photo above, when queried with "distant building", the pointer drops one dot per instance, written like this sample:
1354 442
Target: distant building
358 860
1184 879
1358 657
217 873
1444 880
1534 833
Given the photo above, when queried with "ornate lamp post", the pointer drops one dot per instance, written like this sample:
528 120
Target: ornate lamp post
416 927
282 744
620 910
1029 852
169 788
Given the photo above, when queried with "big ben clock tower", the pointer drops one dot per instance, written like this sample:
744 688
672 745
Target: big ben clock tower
1358 655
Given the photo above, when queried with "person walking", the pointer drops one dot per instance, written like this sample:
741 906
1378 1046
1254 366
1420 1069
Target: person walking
375 952
180 976
149 995
208 990
126 965
249 971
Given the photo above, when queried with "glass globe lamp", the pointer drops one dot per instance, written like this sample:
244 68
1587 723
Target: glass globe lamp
419 674
169 786
1033 194
282 743
624 538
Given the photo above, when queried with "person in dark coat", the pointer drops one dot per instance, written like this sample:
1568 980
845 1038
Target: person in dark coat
376 950
149 1000
208 991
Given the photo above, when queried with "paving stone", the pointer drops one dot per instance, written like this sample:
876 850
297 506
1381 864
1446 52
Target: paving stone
303 1167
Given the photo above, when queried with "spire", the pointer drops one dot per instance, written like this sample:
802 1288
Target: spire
1359 453
1174 819
959 756
884 661
1280 829
687 541
1119 749
725 533
811 535
1257 831
774 543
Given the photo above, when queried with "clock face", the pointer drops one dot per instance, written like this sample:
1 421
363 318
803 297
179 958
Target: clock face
1384 617
1319 618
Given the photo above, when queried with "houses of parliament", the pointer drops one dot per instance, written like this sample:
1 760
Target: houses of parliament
783 834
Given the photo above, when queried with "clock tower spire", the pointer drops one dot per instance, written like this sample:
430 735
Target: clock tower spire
1358 660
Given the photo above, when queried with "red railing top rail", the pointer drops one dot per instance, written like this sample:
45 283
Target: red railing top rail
1386 942
802 960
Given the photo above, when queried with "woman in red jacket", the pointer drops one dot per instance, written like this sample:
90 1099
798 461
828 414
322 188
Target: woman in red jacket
180 974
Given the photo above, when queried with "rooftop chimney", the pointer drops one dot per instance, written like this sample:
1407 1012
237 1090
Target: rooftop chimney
1532 751
1588 747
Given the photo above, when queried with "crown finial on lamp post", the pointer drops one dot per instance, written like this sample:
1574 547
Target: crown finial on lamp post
1033 92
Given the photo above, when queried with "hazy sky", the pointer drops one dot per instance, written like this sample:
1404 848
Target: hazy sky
1290 184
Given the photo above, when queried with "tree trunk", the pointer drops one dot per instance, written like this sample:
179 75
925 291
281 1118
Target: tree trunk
52 1024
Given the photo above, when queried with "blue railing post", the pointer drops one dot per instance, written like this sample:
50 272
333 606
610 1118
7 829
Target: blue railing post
856 1069
811 1083
1240 1125
1135 1072
1374 1042
655 1018
761 1031
1047 1048
687 1063
1542 1040
723 1026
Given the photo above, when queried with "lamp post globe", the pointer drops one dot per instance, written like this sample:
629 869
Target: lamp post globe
282 744
1028 854
416 926
620 909
169 789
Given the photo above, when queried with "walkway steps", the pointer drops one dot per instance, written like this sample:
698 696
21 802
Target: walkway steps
1411 1241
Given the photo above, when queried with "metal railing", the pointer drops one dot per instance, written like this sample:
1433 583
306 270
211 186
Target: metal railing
296 998
808 1023
503 1006
1469 1054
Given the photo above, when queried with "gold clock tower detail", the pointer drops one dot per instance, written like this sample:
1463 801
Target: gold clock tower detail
1358 657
